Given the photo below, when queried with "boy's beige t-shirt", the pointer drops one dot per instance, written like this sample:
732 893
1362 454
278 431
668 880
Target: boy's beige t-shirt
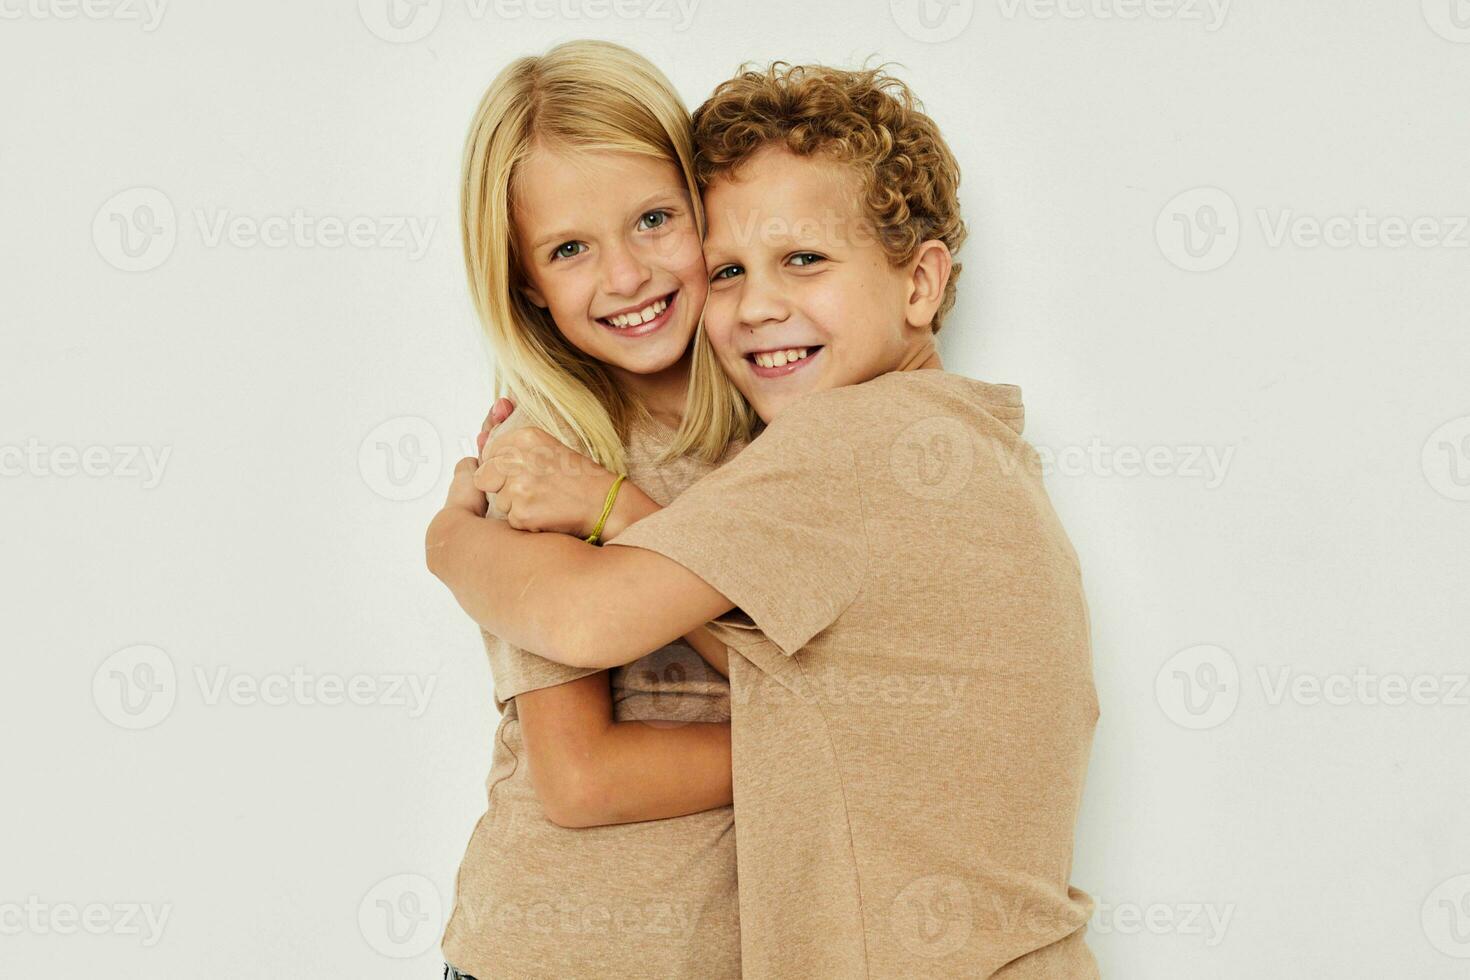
650 899
913 703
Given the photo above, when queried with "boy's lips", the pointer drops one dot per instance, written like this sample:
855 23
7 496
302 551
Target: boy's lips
669 302
794 358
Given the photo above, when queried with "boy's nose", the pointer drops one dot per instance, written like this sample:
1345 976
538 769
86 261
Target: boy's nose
760 303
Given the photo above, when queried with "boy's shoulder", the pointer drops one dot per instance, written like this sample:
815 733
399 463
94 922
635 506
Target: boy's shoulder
899 399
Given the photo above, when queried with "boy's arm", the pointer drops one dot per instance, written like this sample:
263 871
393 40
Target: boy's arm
558 596
632 506
589 770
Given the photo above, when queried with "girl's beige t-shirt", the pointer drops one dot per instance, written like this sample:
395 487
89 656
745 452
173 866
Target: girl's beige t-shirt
911 685
650 899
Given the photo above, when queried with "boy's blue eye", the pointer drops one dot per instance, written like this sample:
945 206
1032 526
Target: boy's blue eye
561 251
726 272
808 258
661 218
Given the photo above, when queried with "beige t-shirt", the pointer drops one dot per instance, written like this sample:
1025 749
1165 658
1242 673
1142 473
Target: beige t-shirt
911 685
650 899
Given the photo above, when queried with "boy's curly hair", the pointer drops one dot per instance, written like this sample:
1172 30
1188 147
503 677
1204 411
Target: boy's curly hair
866 119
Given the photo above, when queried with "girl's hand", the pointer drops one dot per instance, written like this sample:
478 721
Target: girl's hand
541 485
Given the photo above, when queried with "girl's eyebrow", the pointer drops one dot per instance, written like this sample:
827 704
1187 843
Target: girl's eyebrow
643 206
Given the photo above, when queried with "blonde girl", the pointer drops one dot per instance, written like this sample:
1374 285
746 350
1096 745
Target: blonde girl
607 846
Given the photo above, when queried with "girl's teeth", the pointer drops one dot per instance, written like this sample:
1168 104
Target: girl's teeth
649 312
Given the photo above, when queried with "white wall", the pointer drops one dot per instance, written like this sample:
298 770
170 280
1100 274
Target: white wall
1306 516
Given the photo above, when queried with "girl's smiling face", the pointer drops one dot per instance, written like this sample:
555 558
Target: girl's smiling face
608 245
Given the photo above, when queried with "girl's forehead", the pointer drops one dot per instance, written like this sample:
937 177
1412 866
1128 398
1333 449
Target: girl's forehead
550 185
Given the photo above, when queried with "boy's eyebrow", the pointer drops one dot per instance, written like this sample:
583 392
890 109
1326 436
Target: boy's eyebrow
643 206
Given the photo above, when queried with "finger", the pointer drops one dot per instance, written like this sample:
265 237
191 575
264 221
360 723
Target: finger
489 478
501 410
462 491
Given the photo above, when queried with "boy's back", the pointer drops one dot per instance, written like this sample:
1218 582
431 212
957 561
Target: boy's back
913 706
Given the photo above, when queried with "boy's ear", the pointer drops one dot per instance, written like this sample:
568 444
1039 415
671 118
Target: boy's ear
928 275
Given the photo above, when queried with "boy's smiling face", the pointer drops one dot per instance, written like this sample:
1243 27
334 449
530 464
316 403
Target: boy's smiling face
803 296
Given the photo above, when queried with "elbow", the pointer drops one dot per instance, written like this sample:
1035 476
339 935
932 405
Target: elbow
579 641
435 539
576 798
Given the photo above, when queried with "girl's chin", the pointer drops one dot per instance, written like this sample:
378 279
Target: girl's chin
644 362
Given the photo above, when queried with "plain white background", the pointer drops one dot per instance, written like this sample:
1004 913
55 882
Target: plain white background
1223 250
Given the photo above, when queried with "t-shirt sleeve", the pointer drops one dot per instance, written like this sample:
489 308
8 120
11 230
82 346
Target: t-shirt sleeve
778 530
515 671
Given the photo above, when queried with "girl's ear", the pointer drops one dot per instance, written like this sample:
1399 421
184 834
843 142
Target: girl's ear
534 295
928 275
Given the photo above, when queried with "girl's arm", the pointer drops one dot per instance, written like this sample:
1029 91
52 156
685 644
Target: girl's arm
556 595
589 770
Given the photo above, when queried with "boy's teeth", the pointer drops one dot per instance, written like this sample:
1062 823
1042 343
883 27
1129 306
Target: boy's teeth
777 358
642 316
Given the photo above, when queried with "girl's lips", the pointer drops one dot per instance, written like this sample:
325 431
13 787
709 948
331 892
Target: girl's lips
644 329
790 367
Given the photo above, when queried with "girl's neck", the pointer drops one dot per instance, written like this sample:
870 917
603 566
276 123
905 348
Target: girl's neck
663 394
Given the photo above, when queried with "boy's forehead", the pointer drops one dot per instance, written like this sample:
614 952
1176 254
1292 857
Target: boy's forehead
779 195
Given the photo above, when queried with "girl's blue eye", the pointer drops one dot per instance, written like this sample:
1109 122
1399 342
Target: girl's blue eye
662 218
726 272
560 252
809 257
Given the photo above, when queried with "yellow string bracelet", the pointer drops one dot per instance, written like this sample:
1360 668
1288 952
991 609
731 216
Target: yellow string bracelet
607 506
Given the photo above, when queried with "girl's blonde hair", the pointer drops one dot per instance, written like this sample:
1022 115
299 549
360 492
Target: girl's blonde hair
586 96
